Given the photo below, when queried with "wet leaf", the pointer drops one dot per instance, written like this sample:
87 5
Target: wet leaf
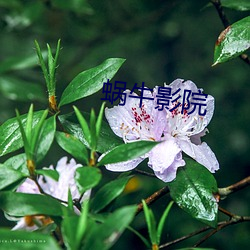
233 41
193 191
10 135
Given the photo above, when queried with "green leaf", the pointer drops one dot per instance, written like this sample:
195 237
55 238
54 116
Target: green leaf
18 162
20 204
19 90
87 177
151 223
53 174
99 121
108 193
92 128
162 221
233 41
105 235
73 146
107 138
193 191
8 176
16 240
84 125
241 5
127 152
90 81
74 228
46 138
10 136
69 230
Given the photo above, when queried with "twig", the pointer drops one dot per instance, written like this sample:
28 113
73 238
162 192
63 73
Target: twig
235 220
223 192
152 198
224 211
226 23
144 173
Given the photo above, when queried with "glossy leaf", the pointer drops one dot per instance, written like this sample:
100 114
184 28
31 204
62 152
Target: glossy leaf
73 146
193 191
20 204
84 125
16 240
53 174
90 81
127 152
107 138
18 162
105 235
19 90
241 5
108 193
233 41
10 136
87 177
46 137
8 176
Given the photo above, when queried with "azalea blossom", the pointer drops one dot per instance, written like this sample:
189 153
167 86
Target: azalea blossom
58 189
178 129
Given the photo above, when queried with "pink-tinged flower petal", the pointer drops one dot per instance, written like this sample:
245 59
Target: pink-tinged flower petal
189 124
124 166
29 187
59 189
134 123
201 153
165 158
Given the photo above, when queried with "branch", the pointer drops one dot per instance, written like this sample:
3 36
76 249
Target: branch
226 23
144 173
223 192
235 220
152 198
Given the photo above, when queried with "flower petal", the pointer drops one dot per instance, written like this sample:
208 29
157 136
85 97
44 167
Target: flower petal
125 166
201 153
165 158
185 124
29 187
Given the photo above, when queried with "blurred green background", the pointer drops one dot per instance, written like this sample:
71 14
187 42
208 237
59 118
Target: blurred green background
161 41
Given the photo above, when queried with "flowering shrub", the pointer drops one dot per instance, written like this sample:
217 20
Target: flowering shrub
74 205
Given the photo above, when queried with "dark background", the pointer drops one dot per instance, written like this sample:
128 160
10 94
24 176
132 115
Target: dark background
161 41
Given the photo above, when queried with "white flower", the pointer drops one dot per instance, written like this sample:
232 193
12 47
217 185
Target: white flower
58 189
178 129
